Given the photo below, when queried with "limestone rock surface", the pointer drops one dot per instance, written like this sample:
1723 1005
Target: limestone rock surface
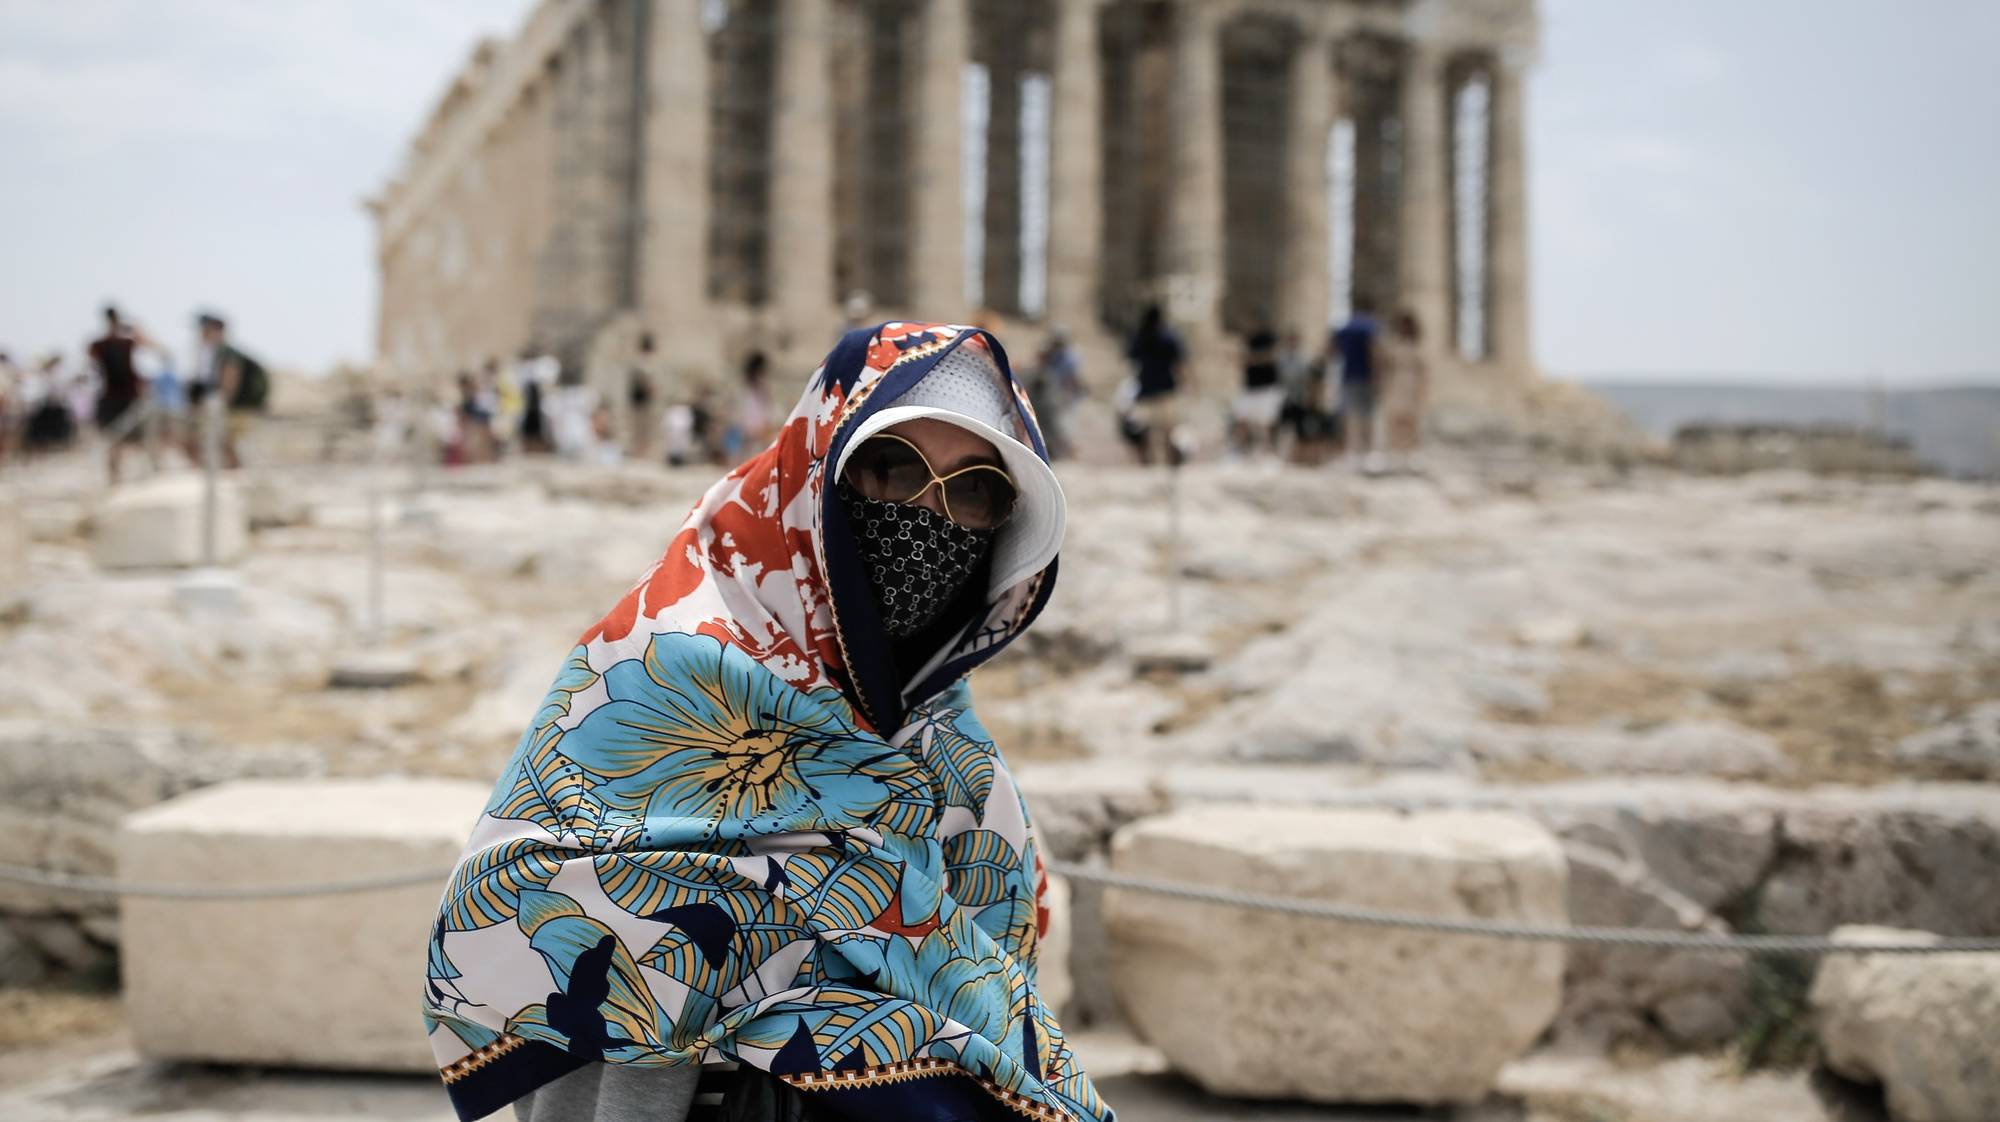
157 523
1263 1005
1888 857
327 981
1969 747
1923 1026
1614 995
63 790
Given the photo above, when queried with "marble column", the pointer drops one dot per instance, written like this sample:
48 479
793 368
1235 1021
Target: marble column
673 258
800 249
937 243
1423 265
1507 218
1308 281
1076 175
1194 233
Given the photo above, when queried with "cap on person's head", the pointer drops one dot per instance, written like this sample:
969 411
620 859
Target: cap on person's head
111 312
210 319
966 389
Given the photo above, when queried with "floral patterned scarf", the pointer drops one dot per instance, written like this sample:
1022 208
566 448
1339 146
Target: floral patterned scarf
726 837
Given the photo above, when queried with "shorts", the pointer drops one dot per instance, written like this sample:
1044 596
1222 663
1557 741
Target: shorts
111 410
1156 412
1357 399
237 422
1259 406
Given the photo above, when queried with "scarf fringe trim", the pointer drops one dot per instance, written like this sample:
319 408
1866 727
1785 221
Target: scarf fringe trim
903 1071
882 1075
465 1065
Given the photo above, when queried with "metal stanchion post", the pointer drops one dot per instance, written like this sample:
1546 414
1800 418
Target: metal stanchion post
210 587
1174 542
211 466
374 663
1175 652
418 435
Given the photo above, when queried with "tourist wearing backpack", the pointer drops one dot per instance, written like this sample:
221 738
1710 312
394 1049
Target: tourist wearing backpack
243 382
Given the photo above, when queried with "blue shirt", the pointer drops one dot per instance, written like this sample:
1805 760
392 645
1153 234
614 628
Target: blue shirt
1355 343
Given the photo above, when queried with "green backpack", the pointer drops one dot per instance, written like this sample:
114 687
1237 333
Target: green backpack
253 382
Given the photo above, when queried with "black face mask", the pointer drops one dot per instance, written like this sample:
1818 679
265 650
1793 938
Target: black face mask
917 560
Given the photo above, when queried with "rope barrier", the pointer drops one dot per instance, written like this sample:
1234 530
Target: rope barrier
104 886
1632 937
1627 937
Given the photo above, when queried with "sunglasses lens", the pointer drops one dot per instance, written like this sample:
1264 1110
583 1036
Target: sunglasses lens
887 470
981 499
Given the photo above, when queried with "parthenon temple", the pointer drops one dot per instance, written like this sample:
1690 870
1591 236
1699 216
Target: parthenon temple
730 174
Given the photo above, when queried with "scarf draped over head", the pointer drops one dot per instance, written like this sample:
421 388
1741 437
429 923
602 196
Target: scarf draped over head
733 832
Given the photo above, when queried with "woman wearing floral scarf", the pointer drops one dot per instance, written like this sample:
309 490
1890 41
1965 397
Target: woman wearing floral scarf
755 857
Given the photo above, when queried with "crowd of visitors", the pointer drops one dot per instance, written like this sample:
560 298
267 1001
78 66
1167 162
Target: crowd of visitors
1359 399
646 412
126 391
529 407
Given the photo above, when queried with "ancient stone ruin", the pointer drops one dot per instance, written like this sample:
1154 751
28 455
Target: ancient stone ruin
730 173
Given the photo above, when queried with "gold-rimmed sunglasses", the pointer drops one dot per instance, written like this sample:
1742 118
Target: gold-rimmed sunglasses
890 469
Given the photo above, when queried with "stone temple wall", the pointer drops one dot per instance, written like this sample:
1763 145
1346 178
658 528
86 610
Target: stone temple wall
730 174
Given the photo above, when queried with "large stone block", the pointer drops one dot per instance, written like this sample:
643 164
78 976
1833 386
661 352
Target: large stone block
1270 1006
329 981
158 523
1924 1027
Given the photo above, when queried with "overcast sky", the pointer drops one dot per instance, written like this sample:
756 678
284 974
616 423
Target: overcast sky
1764 189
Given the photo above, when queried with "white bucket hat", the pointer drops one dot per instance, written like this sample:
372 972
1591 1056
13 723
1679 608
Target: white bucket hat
966 389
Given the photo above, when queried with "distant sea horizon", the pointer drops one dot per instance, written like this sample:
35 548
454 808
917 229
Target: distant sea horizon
1953 425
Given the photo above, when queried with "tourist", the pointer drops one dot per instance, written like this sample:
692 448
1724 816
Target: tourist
241 382
856 309
534 426
503 396
572 412
166 395
757 777
1305 422
1054 387
639 396
79 394
51 420
1406 393
13 411
677 434
1157 355
751 427
475 423
118 412
701 421
1354 345
1258 406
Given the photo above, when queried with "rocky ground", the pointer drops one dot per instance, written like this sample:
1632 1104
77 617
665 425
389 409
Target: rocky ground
1606 648
93 1076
